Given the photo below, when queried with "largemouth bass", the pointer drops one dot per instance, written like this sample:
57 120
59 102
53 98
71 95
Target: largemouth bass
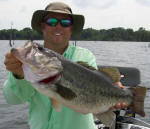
75 84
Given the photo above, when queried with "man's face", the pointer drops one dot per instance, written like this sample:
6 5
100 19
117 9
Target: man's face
56 35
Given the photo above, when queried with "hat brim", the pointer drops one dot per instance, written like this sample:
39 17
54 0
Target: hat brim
37 19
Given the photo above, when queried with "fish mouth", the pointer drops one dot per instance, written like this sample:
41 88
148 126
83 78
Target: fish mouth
49 79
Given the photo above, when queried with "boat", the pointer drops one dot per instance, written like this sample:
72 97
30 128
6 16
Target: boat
126 119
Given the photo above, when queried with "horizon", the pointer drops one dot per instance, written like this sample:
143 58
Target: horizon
83 28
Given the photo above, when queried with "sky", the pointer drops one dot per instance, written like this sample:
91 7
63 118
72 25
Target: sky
99 14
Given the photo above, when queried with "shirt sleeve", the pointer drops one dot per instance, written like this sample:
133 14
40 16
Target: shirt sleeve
17 91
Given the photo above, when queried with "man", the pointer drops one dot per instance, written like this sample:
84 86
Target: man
57 24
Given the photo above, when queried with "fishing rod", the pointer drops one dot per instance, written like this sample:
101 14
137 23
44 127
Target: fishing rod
11 36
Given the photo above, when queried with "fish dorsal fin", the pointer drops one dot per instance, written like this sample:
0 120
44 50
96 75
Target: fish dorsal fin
112 72
65 92
85 64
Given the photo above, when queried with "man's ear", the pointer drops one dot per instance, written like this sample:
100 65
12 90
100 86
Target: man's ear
42 26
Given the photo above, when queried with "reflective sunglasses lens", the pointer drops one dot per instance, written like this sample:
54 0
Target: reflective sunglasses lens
52 21
66 22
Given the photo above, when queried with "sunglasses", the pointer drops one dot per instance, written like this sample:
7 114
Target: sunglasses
54 22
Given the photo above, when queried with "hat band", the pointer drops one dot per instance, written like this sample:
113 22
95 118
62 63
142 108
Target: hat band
60 11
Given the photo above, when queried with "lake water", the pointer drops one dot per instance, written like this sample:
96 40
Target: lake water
127 54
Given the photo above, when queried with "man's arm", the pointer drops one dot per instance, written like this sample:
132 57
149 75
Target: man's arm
16 90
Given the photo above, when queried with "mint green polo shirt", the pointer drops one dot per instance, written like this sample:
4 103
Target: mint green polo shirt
41 115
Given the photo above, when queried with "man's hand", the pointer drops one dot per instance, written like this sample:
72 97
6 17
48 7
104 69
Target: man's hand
13 65
119 105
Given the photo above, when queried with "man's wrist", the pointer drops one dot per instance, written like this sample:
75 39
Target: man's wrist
18 76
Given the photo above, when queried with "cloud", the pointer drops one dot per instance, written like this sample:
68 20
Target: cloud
23 9
99 14
144 2
3 0
101 4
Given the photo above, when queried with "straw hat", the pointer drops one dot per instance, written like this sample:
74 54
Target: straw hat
57 7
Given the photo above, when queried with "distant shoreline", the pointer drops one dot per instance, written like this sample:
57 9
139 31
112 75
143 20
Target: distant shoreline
89 34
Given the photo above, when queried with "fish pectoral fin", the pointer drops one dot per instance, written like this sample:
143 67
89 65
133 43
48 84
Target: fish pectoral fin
65 92
55 104
107 118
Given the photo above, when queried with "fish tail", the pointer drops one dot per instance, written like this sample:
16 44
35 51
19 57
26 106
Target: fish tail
138 103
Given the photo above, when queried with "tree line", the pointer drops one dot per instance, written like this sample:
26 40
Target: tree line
90 34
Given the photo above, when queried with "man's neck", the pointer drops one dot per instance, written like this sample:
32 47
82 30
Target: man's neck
58 49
